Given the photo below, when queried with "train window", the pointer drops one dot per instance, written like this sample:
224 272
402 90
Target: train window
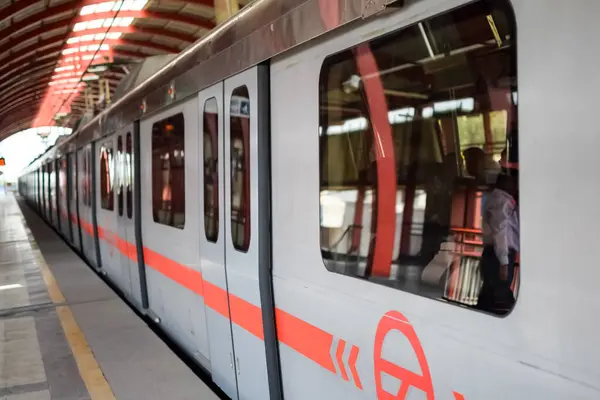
240 168
419 160
107 198
87 174
62 179
129 175
51 188
211 170
83 179
89 177
119 162
168 171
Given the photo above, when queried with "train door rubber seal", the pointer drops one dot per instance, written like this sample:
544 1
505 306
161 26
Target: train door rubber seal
95 206
137 215
265 270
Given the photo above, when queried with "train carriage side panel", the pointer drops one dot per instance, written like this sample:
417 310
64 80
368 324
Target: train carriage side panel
86 219
373 336
63 198
106 212
169 207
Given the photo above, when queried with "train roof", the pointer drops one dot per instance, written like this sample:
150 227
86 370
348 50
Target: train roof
258 32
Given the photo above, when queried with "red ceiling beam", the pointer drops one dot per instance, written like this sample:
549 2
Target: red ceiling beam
28 98
74 5
17 106
29 103
130 42
32 74
31 59
21 90
25 114
22 93
168 16
118 29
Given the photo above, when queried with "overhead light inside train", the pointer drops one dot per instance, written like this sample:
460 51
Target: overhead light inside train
98 68
352 84
90 77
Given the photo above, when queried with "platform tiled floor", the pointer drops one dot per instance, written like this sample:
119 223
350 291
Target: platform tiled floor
36 360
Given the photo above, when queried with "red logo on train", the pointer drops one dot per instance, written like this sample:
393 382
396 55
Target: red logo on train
395 321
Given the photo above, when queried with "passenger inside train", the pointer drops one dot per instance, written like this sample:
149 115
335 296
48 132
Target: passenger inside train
414 183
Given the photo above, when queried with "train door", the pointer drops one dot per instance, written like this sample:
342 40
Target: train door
212 247
246 232
106 182
125 218
74 201
86 218
62 198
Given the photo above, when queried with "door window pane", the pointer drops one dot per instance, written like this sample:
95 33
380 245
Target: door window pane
168 171
240 168
107 197
211 169
418 156
129 175
119 162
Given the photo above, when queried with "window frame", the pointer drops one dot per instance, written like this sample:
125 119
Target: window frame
119 175
107 147
128 167
215 175
177 117
245 170
332 59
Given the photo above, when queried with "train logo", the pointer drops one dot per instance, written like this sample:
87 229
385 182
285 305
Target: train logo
396 321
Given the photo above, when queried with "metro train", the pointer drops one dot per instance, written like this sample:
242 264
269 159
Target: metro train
290 200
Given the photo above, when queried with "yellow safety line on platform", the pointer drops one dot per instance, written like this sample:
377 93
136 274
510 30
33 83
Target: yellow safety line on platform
90 371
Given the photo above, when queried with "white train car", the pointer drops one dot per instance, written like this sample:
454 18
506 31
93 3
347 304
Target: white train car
293 198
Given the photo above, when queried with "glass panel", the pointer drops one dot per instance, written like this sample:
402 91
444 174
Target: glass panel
240 168
168 171
419 161
119 162
211 170
107 197
129 175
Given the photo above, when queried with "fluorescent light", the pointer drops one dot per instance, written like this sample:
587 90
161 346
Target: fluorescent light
65 68
92 77
134 5
11 286
98 68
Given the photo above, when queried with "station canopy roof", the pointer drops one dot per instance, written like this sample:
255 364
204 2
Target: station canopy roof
56 54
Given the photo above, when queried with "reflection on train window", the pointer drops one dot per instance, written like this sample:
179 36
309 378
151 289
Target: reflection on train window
168 172
73 180
62 179
119 162
51 186
129 174
87 178
419 159
107 173
240 168
211 169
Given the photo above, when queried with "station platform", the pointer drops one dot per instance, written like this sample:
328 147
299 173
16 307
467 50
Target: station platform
65 334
